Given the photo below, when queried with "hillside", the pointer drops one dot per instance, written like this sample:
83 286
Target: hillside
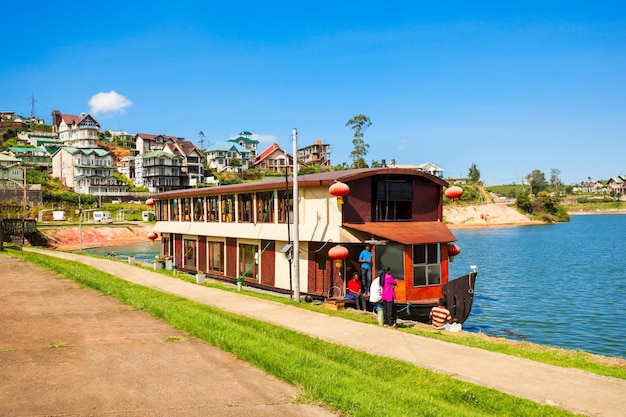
494 214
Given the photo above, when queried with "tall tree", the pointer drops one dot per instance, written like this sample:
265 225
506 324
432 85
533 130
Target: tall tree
537 181
474 173
554 177
359 124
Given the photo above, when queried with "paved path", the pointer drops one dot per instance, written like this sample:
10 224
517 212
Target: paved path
570 389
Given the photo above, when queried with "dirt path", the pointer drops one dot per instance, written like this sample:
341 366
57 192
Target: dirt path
66 350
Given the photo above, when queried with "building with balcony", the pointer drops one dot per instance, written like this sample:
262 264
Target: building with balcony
316 154
87 171
160 171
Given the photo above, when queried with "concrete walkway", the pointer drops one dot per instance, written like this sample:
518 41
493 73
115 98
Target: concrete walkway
571 389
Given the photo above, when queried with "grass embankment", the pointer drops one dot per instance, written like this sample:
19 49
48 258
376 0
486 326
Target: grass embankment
353 382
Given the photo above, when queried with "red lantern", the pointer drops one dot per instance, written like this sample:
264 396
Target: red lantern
453 250
339 190
338 253
150 202
152 236
454 192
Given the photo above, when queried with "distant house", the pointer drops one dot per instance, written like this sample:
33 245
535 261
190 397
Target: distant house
87 171
146 142
76 131
431 169
593 186
192 159
160 171
11 173
245 140
316 154
34 157
617 184
274 159
221 155
127 167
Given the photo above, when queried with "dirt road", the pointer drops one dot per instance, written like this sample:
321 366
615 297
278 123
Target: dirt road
66 350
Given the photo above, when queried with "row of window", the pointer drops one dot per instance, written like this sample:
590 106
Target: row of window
260 207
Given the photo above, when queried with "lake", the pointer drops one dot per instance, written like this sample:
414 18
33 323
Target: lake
560 285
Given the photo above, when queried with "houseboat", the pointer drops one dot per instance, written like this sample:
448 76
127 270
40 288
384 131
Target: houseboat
245 233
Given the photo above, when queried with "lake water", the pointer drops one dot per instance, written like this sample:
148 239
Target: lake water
560 285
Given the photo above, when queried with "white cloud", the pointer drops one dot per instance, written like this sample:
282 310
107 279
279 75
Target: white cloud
108 104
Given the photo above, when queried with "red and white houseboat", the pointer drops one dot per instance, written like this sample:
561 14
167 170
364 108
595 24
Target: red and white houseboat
245 232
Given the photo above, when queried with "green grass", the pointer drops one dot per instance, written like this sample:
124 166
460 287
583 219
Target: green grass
355 383
564 358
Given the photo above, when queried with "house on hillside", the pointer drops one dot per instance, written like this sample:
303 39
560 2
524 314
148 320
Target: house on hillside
160 171
76 131
146 142
274 159
245 140
192 159
11 173
38 158
87 171
593 186
228 157
617 184
316 154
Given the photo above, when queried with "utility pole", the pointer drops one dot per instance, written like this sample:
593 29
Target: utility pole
296 221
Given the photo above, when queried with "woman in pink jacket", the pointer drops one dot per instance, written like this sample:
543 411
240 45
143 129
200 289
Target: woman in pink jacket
389 296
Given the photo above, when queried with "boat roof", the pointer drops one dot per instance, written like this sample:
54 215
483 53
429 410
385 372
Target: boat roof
310 180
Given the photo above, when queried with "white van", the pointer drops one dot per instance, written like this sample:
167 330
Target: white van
58 215
102 217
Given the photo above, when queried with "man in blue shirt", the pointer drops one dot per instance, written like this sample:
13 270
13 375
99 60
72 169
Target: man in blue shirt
365 260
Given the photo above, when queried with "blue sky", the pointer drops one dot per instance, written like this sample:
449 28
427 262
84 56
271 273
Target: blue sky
509 87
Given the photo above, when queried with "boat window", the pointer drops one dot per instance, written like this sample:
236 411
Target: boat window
285 207
213 208
426 266
228 209
265 207
391 255
394 200
244 202
216 256
198 209
186 209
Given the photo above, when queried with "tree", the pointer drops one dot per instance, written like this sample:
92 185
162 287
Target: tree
555 181
359 124
474 173
537 181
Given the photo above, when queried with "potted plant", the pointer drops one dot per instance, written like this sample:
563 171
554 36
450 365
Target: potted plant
158 262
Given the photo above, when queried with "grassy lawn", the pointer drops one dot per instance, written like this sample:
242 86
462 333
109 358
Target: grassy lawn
352 382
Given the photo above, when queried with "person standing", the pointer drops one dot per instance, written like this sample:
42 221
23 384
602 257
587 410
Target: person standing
355 292
389 297
365 260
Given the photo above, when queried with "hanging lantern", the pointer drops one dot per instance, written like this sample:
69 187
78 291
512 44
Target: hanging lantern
453 250
338 253
150 202
454 192
152 236
339 190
